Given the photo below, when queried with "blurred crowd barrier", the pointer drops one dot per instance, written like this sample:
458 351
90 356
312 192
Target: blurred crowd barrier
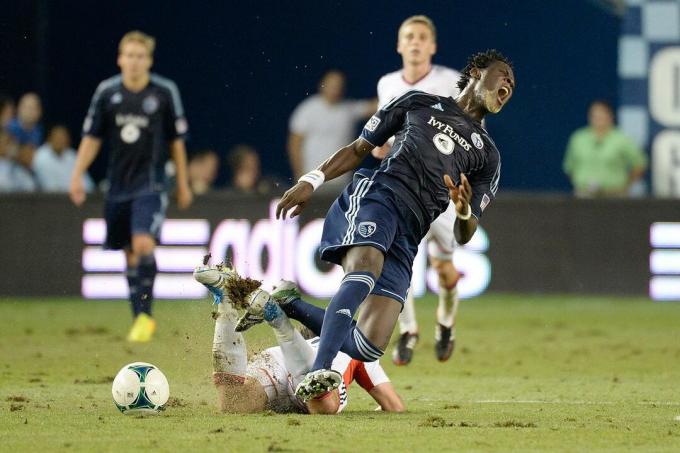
528 243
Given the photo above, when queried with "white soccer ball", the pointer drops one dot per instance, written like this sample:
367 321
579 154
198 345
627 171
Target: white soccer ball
140 388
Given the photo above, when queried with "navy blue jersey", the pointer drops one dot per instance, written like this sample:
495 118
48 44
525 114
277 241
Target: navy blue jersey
433 137
138 129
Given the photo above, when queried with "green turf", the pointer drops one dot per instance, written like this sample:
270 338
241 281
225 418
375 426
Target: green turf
529 373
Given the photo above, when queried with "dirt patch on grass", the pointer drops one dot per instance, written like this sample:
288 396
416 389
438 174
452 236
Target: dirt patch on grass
100 380
176 402
434 421
17 399
514 424
16 407
87 330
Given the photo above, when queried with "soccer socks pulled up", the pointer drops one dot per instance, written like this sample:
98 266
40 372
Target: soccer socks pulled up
448 306
312 316
146 274
407 317
298 355
135 295
230 358
337 322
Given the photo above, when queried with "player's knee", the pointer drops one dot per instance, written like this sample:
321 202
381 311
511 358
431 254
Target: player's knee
448 275
143 244
364 259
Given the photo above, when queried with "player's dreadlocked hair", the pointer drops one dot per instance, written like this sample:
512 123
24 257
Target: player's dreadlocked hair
481 60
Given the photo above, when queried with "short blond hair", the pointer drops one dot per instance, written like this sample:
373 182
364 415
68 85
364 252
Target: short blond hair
137 36
420 19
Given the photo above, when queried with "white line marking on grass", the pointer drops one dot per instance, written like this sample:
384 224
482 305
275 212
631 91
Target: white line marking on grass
573 402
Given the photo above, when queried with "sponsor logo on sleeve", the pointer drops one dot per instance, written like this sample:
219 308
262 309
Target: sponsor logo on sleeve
372 124
485 202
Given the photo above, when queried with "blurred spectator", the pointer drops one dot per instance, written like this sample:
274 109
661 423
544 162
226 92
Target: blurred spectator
600 160
203 168
245 169
26 127
322 124
14 177
54 161
6 111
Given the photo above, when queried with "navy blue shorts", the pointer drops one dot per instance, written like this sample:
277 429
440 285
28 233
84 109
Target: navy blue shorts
140 215
368 214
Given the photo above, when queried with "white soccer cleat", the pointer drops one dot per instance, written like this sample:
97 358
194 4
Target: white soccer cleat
255 313
214 277
318 382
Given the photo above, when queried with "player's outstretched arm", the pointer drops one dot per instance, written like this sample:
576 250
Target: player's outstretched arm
345 159
461 195
178 153
87 151
388 398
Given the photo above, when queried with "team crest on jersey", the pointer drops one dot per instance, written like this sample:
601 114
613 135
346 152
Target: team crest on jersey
150 104
477 140
366 229
117 98
372 124
130 133
444 143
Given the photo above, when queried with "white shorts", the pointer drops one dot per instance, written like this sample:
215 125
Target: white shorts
266 368
440 238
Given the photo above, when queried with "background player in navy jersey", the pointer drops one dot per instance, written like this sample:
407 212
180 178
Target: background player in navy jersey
441 153
140 116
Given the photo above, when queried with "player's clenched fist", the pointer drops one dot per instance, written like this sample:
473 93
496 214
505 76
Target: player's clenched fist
461 195
295 197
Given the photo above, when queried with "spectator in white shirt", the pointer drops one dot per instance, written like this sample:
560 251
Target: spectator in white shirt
324 123
54 161
14 177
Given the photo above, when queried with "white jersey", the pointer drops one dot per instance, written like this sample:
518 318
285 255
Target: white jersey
440 81
269 368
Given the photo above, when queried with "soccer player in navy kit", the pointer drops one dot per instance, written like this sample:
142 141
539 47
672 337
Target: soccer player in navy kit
441 153
140 116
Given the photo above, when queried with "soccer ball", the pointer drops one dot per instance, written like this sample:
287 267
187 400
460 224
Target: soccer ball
140 388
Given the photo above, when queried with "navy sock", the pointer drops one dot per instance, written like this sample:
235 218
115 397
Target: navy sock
146 271
133 284
355 345
337 322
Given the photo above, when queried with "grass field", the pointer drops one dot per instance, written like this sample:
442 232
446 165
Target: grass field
529 373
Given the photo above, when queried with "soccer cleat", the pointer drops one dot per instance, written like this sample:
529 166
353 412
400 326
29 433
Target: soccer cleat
285 292
142 329
318 382
444 342
403 353
256 311
214 277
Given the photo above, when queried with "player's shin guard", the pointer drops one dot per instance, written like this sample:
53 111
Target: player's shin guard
146 272
448 306
135 295
229 349
337 321
309 315
407 317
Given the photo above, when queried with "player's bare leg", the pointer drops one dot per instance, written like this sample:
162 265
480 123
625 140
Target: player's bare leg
141 275
445 333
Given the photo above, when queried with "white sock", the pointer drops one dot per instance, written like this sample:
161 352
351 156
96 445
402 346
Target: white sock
230 358
448 306
298 355
407 317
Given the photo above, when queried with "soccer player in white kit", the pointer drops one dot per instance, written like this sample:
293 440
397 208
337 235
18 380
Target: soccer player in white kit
269 379
417 43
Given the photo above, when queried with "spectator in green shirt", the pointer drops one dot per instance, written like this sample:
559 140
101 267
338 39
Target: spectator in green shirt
600 160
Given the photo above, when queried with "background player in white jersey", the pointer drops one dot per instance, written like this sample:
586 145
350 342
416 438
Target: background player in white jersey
268 380
417 43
